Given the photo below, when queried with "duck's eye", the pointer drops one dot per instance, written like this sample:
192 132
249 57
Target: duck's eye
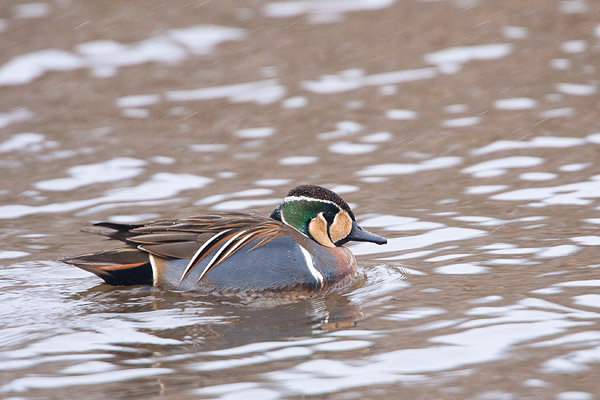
329 215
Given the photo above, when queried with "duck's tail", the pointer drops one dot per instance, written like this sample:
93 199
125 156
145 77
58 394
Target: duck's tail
123 267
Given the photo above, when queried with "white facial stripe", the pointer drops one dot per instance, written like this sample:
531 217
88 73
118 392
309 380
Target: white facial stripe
299 198
311 266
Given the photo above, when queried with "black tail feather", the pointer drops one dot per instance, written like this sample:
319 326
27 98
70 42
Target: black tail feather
121 267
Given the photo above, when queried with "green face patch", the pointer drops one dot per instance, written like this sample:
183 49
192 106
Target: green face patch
298 213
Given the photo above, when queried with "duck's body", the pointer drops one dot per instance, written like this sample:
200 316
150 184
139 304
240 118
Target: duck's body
299 247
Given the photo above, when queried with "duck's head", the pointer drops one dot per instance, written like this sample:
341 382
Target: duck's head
323 216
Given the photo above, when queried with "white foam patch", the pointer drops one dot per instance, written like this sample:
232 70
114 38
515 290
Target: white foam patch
404 169
104 57
261 92
355 79
499 166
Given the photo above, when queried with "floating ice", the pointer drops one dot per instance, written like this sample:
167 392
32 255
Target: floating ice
82 175
273 182
403 169
261 92
499 166
515 103
354 79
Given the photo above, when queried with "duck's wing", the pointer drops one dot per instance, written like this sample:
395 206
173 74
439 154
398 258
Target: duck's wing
194 238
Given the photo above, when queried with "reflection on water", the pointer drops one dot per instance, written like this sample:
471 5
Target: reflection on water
465 132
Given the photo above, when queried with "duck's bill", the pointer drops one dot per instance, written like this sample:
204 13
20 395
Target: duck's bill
358 234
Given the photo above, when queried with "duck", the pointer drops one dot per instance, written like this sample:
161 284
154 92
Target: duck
300 246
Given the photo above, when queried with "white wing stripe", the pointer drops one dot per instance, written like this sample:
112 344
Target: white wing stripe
205 245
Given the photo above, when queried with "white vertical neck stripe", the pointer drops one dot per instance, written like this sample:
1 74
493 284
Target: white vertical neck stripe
311 266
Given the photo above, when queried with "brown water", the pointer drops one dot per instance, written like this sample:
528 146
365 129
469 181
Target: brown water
467 132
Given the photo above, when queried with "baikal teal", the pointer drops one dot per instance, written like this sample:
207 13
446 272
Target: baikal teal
299 247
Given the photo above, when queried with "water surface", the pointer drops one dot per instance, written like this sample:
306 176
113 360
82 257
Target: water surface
466 132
